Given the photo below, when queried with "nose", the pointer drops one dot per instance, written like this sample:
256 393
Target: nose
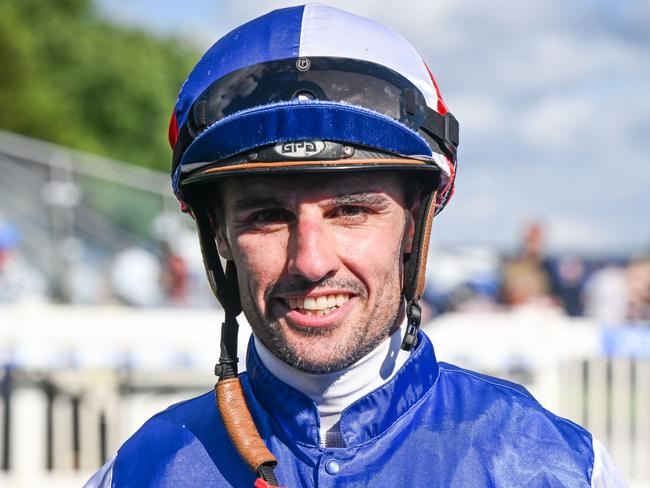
312 250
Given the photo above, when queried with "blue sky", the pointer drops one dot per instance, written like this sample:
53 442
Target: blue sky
551 96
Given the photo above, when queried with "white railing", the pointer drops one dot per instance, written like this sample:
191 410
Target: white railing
81 380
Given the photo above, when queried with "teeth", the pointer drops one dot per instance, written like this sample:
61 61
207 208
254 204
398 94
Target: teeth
309 303
318 305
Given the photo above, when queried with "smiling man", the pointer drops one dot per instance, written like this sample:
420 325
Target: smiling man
313 149
319 261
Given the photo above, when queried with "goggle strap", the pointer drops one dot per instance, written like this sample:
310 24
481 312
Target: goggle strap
444 129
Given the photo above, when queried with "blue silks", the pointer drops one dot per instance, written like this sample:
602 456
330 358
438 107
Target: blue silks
432 425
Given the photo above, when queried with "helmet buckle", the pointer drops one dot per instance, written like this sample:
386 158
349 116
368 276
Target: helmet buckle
413 319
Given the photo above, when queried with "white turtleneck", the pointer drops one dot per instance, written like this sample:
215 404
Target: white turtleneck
334 392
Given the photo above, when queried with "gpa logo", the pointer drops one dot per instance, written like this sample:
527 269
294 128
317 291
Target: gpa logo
299 149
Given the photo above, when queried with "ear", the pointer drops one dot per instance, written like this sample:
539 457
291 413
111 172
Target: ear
411 220
409 230
221 238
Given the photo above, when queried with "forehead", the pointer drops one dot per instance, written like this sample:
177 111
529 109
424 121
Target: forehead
313 186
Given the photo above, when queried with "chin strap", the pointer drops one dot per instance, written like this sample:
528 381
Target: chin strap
414 270
230 399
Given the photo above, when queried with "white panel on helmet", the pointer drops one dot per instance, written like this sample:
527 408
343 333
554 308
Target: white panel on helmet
365 40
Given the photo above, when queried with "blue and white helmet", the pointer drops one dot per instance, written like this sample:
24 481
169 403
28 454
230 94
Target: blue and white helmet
315 89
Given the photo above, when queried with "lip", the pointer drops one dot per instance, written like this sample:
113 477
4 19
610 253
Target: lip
300 320
316 294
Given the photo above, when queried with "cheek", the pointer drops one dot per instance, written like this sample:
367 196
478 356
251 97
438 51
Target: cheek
259 262
373 256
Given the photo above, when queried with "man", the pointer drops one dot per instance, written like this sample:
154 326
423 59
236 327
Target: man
313 148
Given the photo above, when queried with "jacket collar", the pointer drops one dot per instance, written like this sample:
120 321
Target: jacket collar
296 416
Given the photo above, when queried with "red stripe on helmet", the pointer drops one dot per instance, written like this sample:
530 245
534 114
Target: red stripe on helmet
172 132
442 108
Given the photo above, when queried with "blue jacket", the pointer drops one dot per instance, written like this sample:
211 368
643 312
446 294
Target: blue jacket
432 425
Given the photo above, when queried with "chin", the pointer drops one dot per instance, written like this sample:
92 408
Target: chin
320 353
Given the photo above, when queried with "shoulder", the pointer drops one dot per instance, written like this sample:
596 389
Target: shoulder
466 382
483 391
184 445
504 399
185 436
178 420
504 417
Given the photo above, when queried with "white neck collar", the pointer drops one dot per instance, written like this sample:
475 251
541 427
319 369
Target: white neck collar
333 392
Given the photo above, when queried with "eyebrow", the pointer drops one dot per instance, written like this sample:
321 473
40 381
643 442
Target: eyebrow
367 198
248 203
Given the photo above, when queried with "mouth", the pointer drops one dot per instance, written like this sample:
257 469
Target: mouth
324 311
317 306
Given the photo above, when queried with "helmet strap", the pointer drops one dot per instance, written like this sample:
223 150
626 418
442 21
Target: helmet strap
414 270
224 286
413 317
231 402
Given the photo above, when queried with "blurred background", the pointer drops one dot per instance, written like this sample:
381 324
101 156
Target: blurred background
539 269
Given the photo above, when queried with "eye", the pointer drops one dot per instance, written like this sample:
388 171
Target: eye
270 216
350 211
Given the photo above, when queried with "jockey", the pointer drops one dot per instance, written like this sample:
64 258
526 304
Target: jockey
313 148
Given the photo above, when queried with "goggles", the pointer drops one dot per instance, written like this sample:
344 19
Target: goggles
339 80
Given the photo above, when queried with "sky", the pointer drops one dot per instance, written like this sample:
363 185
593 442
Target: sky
551 97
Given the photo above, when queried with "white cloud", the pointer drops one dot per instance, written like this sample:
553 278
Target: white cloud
556 124
480 115
551 97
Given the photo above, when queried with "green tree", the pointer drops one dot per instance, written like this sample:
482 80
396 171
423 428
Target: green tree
69 77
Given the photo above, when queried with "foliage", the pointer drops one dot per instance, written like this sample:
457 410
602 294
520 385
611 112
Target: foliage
69 77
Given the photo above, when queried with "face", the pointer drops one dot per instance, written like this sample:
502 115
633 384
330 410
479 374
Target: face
319 262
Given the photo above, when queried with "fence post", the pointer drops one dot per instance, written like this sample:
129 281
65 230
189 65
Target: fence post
28 436
596 418
6 387
642 421
620 395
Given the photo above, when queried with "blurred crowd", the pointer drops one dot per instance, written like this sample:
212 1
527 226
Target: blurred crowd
612 290
166 272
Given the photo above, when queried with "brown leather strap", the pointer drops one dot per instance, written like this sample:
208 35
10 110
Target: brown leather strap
424 249
240 426
414 272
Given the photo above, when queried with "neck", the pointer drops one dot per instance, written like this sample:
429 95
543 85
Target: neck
333 392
